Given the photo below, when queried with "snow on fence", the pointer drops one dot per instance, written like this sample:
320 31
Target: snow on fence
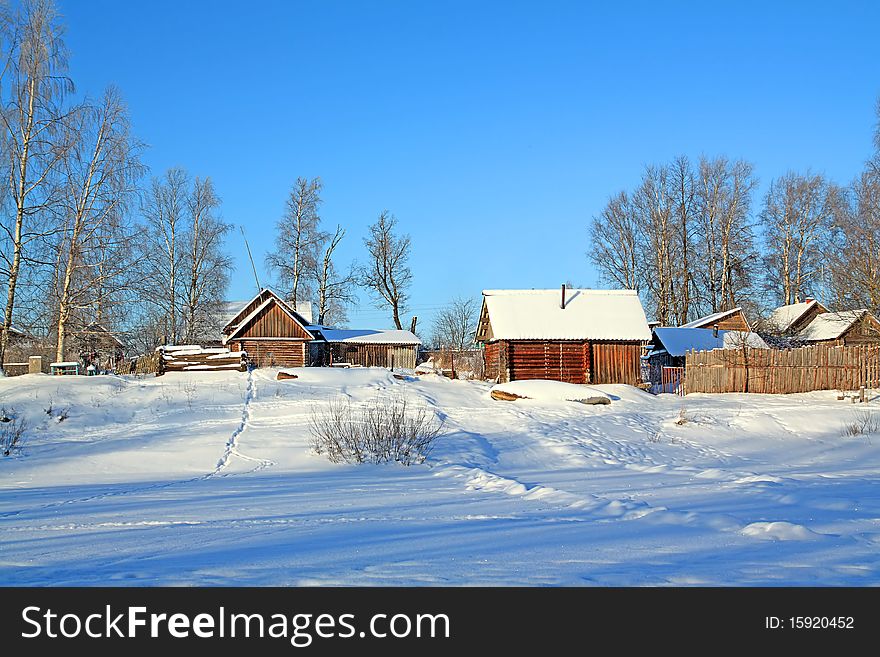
771 371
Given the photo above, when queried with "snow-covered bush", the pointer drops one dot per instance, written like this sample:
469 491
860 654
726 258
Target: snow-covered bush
12 430
386 429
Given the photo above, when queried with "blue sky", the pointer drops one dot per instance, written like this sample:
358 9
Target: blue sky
493 131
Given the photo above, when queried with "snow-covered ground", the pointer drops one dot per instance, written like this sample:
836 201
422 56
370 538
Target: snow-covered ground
207 478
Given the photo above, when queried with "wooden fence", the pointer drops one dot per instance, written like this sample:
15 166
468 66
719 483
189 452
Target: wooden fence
672 380
771 371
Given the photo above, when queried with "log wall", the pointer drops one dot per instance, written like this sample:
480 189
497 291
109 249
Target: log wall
567 361
268 353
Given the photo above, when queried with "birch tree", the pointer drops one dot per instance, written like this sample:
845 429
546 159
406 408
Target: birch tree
205 263
797 217
615 246
164 208
297 241
32 91
387 275
723 199
99 171
334 291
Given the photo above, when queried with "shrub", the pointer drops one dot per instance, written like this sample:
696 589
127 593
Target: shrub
12 430
863 423
386 429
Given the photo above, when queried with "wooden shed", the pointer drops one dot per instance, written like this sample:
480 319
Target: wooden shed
270 331
573 335
726 320
849 327
365 347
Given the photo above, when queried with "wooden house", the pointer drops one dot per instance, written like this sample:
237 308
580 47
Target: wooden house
849 327
726 320
99 347
270 331
573 335
365 347
792 319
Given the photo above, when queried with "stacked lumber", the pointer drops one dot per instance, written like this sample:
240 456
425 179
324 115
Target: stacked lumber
193 358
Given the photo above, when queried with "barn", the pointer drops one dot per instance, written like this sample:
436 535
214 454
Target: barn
364 347
849 327
270 331
573 335
726 320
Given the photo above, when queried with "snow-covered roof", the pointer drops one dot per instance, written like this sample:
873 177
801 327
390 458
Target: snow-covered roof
830 326
785 316
714 318
368 336
14 330
680 340
588 315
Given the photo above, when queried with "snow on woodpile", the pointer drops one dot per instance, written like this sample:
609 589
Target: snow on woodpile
587 315
830 326
545 390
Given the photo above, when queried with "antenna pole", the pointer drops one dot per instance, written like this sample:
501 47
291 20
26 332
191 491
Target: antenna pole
251 258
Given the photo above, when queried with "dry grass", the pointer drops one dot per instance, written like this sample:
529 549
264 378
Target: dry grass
384 430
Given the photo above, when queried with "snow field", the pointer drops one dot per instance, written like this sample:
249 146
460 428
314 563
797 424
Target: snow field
207 479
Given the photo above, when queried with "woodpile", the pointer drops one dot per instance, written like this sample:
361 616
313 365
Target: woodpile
284 376
193 358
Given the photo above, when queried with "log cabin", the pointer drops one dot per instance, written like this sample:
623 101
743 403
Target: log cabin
849 327
572 335
270 331
726 320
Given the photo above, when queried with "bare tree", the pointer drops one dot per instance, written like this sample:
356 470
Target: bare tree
853 251
297 241
98 176
797 217
683 191
387 275
32 89
455 325
164 208
335 291
724 192
615 246
206 264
